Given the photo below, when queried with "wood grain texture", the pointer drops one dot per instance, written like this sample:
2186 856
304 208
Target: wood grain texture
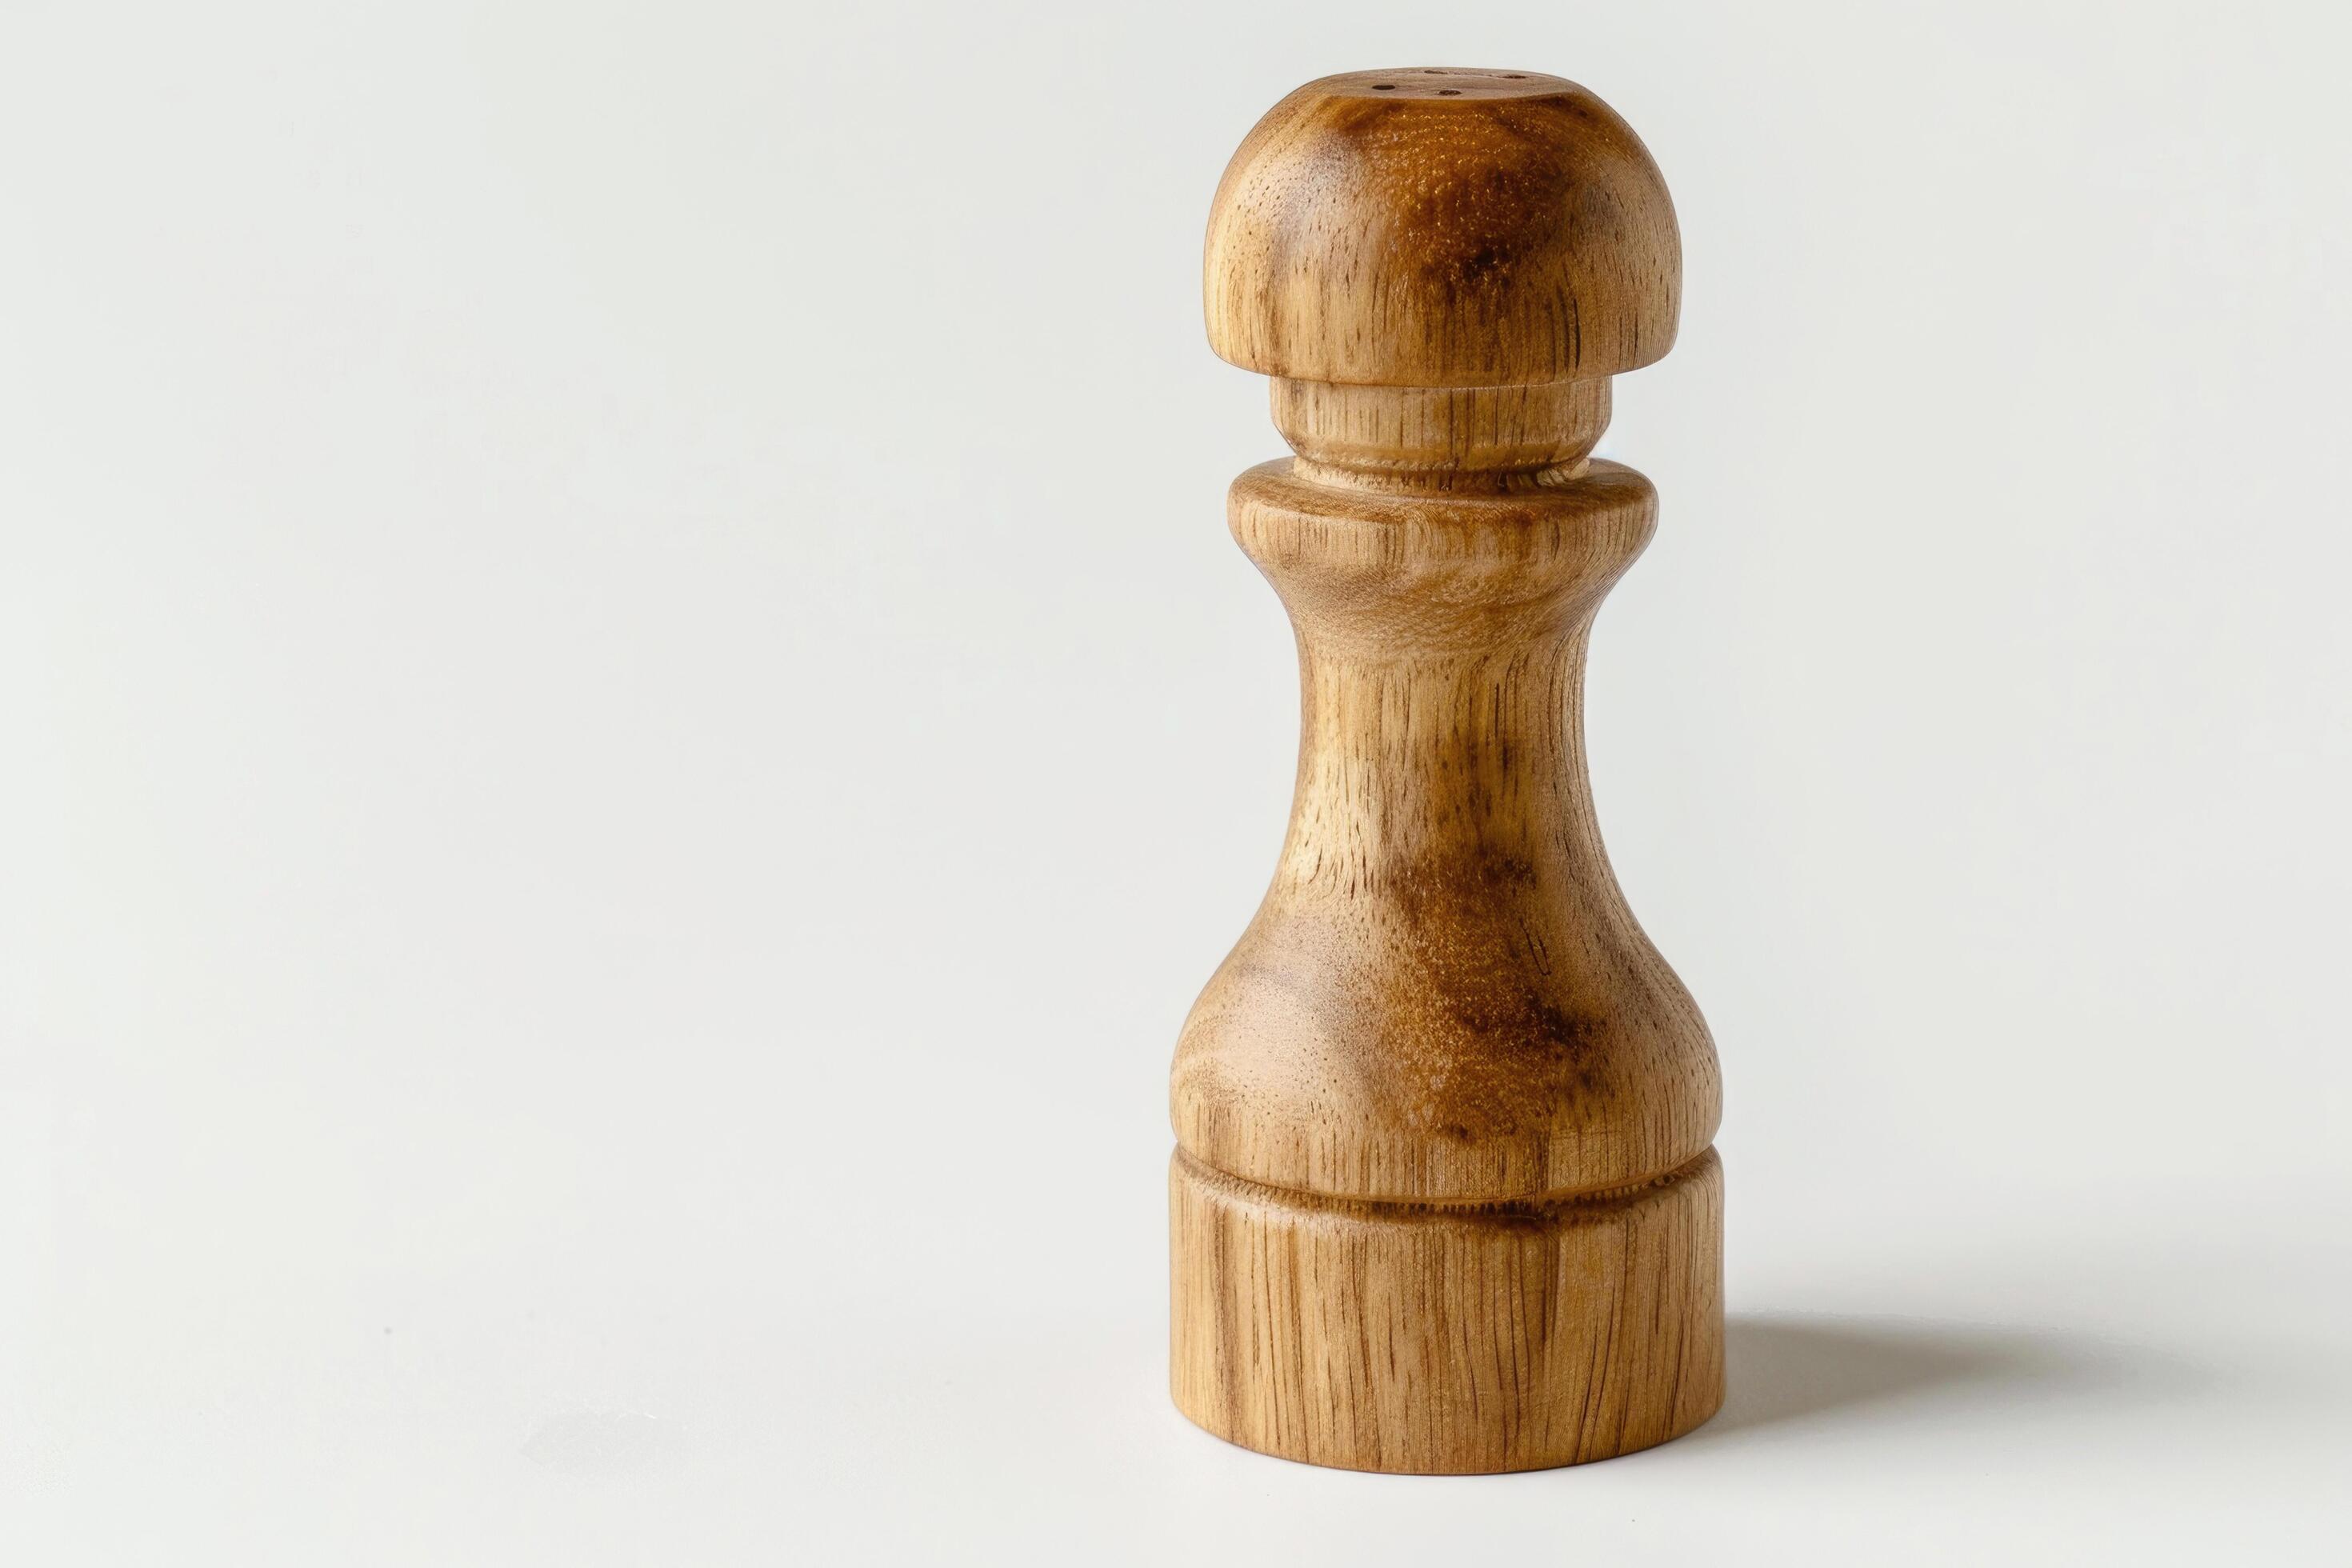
1443 227
1444 995
1433 1341
1444 1198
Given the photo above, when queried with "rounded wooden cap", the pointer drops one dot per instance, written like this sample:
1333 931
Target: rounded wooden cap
1442 227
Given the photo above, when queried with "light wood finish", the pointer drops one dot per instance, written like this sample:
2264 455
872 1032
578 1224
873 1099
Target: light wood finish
1396 1337
1444 1198
1484 438
1432 228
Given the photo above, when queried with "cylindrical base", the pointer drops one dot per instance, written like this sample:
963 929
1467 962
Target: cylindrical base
1450 1340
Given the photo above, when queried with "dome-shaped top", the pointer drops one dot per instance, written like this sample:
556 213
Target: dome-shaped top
1440 228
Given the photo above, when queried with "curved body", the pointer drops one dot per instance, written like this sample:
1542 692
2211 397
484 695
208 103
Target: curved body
1443 996
1444 1196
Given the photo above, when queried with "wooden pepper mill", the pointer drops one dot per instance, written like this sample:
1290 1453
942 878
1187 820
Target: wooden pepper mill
1443 1197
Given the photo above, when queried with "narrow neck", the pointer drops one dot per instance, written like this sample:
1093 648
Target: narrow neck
1441 438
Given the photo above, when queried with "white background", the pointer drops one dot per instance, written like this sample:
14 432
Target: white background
629 723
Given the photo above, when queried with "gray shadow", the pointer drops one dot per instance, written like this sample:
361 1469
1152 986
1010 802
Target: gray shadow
1798 1369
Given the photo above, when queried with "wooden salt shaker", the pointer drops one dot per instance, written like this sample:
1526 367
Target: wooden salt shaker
1443 1197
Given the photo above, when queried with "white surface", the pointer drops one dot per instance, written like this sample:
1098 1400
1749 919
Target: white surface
629 723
